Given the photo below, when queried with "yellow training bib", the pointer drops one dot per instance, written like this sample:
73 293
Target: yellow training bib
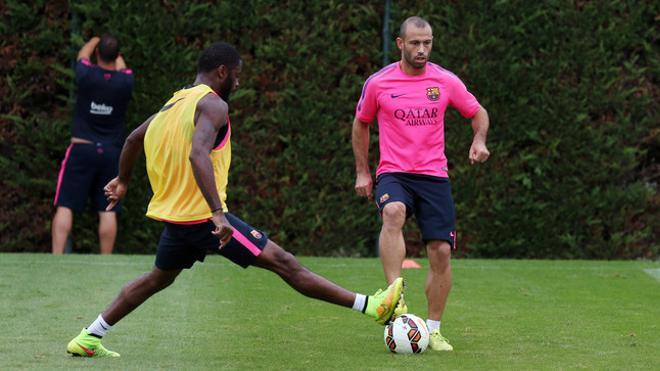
167 145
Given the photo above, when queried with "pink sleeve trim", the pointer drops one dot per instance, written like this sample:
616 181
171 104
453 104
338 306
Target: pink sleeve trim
127 71
86 62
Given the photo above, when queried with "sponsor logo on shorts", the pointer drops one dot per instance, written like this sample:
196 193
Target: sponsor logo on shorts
433 93
384 197
256 234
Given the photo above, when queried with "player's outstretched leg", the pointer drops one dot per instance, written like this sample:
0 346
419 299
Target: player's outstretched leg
380 306
88 345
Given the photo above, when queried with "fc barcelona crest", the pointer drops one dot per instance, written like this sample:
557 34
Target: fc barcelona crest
433 93
256 234
384 197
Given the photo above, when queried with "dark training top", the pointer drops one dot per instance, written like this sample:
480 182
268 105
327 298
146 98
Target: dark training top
103 97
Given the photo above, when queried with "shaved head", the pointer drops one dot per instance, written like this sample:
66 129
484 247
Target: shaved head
416 21
415 42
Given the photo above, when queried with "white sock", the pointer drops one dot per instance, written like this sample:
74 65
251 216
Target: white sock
432 325
360 303
99 327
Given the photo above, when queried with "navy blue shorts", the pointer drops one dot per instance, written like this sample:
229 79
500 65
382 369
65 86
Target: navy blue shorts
181 245
425 196
85 170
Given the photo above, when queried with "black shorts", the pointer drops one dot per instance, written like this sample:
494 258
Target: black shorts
85 170
181 245
427 197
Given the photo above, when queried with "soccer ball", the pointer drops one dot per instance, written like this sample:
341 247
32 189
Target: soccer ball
407 334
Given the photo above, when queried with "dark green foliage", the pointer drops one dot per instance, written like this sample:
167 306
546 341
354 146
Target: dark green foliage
34 112
571 89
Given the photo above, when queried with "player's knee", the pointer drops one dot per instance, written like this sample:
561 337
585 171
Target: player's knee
440 251
167 281
161 281
394 213
288 261
285 263
62 223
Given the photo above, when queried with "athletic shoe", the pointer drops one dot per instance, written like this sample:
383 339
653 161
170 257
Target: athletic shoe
401 308
381 305
439 342
86 345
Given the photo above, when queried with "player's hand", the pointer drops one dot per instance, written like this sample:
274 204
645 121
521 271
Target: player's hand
223 230
364 185
114 191
478 152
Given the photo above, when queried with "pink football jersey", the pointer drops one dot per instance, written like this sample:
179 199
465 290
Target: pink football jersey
411 116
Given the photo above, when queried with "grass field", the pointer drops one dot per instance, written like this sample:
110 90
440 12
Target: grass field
502 315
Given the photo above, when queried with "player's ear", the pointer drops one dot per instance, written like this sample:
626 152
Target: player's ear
399 43
223 72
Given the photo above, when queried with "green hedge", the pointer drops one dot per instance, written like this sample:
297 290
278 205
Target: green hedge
571 88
